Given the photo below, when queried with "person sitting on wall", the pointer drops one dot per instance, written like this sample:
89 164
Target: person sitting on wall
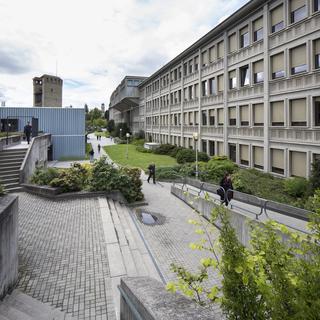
27 131
226 184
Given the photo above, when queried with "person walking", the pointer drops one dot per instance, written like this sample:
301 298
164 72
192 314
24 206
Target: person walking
99 148
91 154
226 184
152 173
27 131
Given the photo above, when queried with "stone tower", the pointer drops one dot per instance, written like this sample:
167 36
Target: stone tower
47 91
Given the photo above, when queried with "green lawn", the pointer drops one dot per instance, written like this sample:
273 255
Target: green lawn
102 133
137 159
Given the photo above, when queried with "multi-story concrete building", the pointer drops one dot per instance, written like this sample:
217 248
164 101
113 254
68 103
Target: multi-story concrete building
250 89
47 91
124 103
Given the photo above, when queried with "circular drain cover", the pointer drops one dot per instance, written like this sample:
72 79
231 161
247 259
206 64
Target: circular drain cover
148 218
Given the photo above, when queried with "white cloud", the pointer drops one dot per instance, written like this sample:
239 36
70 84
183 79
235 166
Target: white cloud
96 43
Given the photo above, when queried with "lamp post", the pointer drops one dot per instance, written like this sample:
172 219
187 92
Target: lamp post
128 136
120 133
195 138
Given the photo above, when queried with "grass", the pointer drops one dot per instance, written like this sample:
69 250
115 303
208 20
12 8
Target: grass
102 133
137 159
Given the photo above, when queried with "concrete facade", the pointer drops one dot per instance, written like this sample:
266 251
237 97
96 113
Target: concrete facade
47 91
8 243
249 88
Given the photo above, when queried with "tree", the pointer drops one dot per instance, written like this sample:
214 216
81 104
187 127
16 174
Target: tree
86 108
315 175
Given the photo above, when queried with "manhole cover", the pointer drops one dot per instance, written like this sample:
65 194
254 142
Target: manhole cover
149 218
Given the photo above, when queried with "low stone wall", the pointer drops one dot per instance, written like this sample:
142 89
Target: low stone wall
12 140
144 298
37 156
8 243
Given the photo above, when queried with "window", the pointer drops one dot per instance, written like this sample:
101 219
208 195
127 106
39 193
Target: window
298 111
298 10
277 66
204 118
298 164
258 71
191 118
244 37
220 148
258 29
204 146
258 157
316 111
211 148
316 49
190 66
298 59
316 5
212 54
190 92
232 116
185 69
244 154
220 117
196 116
277 22
244 76
185 94
258 116
196 63
211 117
232 152
204 88
232 79
220 83
232 43
196 90
179 72
277 113
244 115
38 98
277 161
204 58
220 50
212 89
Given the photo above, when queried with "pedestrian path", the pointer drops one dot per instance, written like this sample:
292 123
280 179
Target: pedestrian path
103 142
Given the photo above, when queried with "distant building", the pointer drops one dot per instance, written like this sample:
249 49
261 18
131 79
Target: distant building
47 91
103 108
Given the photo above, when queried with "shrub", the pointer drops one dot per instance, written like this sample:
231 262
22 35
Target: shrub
138 142
70 180
2 192
202 156
216 169
170 173
296 187
43 176
165 149
175 151
139 135
107 178
315 175
186 155
119 141
143 150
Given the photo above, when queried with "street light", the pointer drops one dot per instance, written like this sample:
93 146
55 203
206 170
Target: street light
120 133
128 136
195 138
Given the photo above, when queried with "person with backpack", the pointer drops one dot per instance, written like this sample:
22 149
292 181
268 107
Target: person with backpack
226 184
152 173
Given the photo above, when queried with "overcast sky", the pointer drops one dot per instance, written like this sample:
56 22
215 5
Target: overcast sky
96 43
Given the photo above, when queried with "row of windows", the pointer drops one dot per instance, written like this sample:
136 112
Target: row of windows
248 116
252 32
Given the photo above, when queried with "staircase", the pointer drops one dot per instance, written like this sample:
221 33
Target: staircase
19 306
10 163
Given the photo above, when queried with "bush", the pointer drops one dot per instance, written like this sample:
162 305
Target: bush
143 150
296 187
315 175
71 180
119 141
217 167
175 151
43 176
167 173
138 142
107 178
202 156
186 155
165 149
139 135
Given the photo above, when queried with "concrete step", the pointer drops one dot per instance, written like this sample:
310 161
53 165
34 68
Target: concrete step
10 160
19 306
9 176
9 172
9 167
9 179
13 153
16 189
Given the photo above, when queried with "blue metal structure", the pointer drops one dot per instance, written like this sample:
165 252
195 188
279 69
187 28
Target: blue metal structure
66 125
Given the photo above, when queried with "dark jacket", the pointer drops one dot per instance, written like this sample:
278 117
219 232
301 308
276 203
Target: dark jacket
27 130
152 168
226 184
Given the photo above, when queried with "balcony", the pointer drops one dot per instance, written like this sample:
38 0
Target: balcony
175 107
245 53
296 135
191 77
303 81
213 67
256 133
175 129
246 92
148 127
175 85
212 131
212 99
191 104
164 129
164 109
190 129
295 31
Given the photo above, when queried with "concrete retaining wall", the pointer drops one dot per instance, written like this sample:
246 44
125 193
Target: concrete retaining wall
12 140
37 156
144 298
8 243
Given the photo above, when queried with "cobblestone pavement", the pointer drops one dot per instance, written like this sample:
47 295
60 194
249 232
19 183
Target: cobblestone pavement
169 242
63 256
